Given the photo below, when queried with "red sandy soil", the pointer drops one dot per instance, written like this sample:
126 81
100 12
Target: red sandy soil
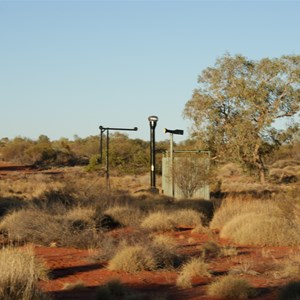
69 266
72 266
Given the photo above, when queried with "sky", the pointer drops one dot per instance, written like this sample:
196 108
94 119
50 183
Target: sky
68 67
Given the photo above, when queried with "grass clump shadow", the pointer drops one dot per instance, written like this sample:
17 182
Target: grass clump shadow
291 291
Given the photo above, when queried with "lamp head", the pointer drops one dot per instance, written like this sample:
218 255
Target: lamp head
153 120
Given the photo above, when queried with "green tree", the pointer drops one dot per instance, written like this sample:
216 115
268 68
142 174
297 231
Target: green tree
237 103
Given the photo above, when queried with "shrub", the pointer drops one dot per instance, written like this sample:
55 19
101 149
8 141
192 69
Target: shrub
194 267
166 221
107 248
133 259
262 229
201 229
19 275
231 287
164 251
229 251
158 221
211 249
139 253
272 222
232 207
187 217
37 226
31 225
81 218
125 215
291 291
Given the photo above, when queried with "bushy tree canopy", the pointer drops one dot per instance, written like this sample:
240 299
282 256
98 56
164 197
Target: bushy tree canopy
237 102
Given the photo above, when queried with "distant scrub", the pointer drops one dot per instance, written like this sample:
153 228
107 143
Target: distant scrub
127 156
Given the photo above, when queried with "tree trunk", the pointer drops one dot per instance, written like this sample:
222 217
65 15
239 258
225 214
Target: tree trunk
262 173
258 161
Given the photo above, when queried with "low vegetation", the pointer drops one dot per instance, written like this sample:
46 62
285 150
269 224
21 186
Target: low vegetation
140 253
194 267
20 272
133 259
231 287
277 223
157 233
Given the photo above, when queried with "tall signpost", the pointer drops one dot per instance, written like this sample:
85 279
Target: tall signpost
175 131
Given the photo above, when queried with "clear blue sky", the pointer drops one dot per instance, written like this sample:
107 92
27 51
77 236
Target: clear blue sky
67 67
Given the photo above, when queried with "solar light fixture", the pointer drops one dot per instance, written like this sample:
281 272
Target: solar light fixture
152 121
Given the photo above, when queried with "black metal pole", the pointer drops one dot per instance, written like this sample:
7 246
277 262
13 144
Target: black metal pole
102 130
152 159
107 158
101 144
153 121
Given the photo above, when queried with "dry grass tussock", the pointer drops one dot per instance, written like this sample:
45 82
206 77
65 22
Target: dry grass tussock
158 221
125 215
262 229
19 275
133 259
75 229
170 220
269 222
194 267
146 253
230 286
28 186
232 207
